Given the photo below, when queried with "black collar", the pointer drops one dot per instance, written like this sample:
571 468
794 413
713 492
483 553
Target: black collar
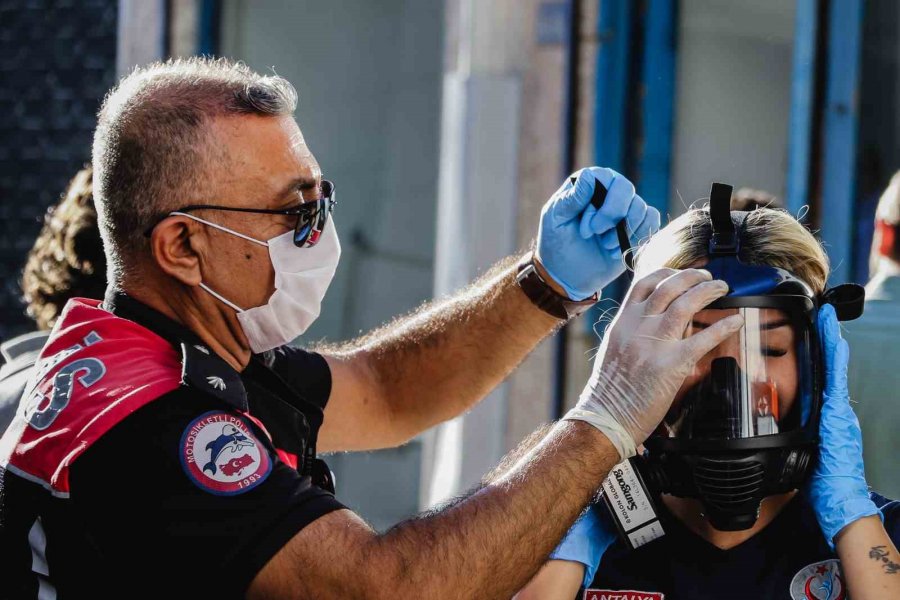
201 368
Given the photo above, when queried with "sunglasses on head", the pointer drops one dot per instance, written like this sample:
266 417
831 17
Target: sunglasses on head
312 215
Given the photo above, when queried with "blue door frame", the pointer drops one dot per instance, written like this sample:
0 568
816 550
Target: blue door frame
612 82
208 27
658 103
803 89
656 81
836 156
840 124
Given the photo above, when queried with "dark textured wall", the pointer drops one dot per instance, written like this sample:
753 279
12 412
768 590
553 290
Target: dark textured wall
57 59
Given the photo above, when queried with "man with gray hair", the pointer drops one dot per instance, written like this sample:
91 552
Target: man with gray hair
873 379
168 445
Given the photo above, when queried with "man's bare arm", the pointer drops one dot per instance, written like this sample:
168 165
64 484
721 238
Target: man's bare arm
489 544
484 546
429 366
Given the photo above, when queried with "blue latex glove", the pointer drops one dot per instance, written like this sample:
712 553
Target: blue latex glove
577 244
591 535
837 489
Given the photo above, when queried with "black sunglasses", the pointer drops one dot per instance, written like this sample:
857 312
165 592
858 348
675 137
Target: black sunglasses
312 215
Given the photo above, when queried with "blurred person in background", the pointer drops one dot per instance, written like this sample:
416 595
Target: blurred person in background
750 199
875 338
65 262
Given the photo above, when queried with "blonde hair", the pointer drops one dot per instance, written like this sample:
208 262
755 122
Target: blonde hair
769 237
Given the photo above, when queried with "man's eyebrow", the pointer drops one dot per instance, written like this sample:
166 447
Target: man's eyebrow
300 183
295 185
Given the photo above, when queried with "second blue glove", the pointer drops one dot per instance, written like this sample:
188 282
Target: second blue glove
837 489
588 539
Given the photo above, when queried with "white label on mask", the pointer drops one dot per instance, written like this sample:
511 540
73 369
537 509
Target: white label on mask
629 502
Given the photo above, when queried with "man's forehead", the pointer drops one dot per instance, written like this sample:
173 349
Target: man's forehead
298 143
262 155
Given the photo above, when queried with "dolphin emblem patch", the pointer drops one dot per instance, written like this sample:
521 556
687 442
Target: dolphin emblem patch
222 455
230 439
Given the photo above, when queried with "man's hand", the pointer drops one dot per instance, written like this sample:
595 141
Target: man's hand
645 357
577 243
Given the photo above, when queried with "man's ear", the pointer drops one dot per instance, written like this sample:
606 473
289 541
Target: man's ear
176 248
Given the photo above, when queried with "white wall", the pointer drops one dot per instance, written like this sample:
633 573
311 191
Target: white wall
732 106
368 76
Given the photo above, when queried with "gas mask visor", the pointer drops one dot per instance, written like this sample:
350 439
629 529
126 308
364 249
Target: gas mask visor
758 382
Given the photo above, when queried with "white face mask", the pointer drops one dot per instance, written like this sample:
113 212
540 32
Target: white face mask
302 276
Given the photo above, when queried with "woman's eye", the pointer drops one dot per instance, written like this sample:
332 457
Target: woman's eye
774 352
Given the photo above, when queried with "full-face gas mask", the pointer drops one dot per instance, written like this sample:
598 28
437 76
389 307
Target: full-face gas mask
745 424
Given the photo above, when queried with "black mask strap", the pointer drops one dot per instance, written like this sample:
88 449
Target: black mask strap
724 240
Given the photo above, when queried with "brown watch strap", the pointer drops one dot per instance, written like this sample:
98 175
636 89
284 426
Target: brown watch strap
544 297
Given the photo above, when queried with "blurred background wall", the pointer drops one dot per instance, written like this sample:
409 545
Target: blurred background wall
446 124
57 59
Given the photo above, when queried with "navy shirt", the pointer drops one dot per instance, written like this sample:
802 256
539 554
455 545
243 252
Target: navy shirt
189 496
788 559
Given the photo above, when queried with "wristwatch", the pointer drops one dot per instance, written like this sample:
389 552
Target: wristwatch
544 297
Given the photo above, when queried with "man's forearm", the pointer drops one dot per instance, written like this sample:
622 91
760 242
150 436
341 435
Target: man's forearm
491 543
436 363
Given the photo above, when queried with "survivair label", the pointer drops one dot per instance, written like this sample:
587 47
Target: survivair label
630 504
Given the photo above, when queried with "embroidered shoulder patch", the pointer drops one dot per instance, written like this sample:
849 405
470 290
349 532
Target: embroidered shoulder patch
222 456
819 581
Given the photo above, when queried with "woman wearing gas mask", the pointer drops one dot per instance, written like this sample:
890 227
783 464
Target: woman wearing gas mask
753 485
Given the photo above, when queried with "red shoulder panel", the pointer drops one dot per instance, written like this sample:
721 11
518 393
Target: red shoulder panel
95 370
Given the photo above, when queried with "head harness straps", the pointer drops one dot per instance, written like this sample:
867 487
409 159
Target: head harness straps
726 239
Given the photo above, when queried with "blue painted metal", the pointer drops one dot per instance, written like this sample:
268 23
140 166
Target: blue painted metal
611 83
839 134
658 103
208 27
803 87
570 122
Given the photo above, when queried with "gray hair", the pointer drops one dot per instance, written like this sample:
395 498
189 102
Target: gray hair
151 146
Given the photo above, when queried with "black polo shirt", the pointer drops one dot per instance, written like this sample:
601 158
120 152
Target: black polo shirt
189 496
788 559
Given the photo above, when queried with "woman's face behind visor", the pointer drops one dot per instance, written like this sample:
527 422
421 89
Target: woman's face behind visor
745 387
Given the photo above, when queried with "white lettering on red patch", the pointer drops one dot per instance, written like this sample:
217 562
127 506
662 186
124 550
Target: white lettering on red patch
594 594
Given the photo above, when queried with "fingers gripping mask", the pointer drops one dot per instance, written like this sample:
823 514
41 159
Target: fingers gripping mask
302 277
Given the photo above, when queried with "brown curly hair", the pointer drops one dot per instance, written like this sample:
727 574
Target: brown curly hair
67 259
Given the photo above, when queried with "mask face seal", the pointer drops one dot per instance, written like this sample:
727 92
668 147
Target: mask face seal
745 424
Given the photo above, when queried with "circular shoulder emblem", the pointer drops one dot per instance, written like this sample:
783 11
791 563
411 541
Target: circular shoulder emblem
819 581
221 455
